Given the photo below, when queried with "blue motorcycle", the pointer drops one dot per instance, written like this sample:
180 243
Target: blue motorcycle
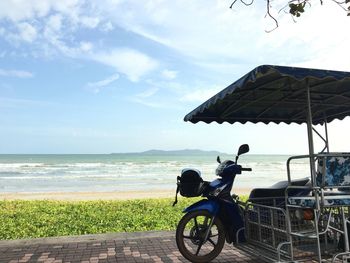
292 221
208 223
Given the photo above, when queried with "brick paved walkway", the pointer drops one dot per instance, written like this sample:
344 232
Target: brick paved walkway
132 247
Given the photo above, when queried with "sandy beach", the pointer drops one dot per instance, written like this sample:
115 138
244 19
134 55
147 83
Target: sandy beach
79 196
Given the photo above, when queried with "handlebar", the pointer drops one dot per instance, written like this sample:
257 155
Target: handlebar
247 169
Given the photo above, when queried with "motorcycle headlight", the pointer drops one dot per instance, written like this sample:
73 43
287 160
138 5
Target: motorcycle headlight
219 170
216 192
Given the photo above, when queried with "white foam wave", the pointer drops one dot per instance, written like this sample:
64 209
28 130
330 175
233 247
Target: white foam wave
58 175
20 165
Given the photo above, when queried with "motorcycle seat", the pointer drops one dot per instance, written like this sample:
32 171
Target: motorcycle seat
278 189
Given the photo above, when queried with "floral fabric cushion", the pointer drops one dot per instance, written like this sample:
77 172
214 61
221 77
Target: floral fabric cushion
338 200
333 171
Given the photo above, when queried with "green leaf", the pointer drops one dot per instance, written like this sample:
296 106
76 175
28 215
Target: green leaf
31 219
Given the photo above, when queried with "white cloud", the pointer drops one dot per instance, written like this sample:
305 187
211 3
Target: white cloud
22 9
206 31
21 32
50 26
174 93
148 93
86 46
89 22
65 49
200 95
16 73
51 30
27 32
169 74
55 22
226 68
151 104
104 82
195 28
132 63
209 32
98 85
107 26
56 39
6 102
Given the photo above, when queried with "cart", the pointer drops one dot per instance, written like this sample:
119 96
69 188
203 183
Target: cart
283 227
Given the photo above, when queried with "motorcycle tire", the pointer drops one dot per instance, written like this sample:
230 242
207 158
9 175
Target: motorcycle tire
191 244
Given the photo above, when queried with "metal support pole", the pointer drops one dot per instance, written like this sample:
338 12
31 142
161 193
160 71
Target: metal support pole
311 148
316 219
326 133
345 227
310 137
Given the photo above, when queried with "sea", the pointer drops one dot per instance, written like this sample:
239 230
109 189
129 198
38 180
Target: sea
23 173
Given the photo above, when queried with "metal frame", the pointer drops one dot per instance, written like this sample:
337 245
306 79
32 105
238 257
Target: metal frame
261 221
319 212
309 90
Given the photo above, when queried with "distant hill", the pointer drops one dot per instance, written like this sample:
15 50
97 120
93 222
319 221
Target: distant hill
177 152
181 152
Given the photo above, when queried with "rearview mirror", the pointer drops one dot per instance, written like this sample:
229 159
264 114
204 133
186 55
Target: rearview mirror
244 148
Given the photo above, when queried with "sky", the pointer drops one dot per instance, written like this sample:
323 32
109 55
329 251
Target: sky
109 76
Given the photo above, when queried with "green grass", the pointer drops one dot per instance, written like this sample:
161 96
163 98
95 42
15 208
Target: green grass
31 219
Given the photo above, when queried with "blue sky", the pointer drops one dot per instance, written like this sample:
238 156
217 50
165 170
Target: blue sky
119 76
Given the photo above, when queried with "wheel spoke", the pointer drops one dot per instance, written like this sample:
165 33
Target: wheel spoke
199 248
205 223
200 236
212 242
196 223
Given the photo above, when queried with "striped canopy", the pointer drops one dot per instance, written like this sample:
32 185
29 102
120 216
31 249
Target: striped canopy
279 94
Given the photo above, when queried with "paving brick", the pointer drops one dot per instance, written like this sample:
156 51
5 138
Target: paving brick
155 249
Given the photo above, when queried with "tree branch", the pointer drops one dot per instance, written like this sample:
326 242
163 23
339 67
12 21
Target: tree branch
269 14
343 5
244 2
296 7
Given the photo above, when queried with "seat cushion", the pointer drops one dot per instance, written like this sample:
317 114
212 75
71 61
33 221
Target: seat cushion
330 200
333 170
278 189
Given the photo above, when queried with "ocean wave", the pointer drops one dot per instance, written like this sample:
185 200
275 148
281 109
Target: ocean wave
101 173
20 165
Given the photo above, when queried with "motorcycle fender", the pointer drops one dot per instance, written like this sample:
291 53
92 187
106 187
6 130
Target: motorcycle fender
211 206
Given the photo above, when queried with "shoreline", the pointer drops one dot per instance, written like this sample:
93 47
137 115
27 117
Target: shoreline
89 196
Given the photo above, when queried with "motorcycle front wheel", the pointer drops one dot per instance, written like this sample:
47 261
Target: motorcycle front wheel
198 238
